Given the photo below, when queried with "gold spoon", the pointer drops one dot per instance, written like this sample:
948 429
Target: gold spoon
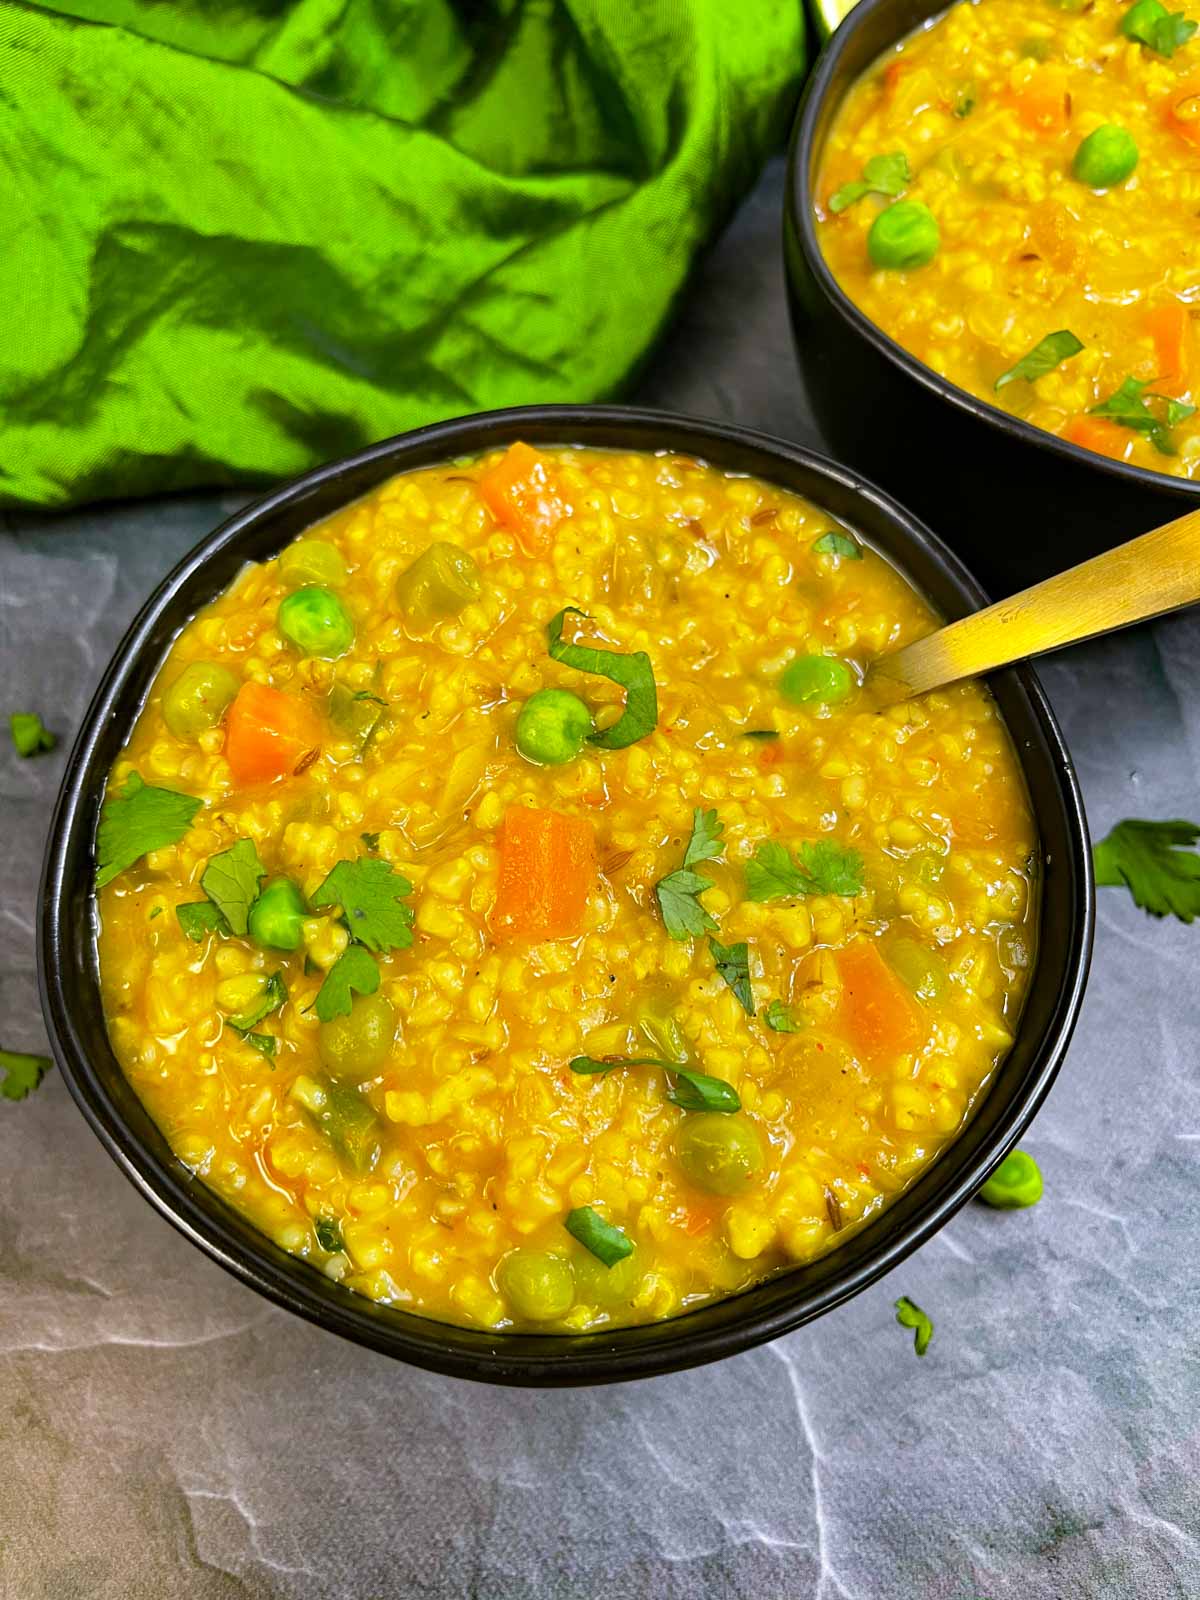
1158 572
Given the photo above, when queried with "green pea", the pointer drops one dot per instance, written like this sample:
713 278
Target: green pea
816 680
538 1285
904 236
1015 1184
356 1045
316 622
922 970
599 1285
311 561
277 916
198 699
441 582
1105 157
552 727
719 1152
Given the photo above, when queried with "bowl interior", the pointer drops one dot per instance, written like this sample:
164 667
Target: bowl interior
68 958
870 28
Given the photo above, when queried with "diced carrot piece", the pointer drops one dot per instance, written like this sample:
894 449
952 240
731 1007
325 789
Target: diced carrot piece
547 870
1170 327
1096 433
521 493
1043 103
1182 111
881 1016
267 734
695 1220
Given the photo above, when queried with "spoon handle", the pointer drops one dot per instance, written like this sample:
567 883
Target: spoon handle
1160 571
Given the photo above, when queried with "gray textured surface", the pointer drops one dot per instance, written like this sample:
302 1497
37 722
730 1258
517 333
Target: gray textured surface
166 1433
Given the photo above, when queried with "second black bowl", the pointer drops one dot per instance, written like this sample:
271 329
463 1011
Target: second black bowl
68 964
1018 503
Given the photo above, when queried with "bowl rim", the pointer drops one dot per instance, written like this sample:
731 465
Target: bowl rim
800 213
546 1360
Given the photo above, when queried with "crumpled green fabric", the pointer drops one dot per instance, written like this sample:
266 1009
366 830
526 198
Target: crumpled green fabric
243 237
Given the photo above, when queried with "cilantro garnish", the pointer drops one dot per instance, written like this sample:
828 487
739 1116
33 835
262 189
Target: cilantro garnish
910 1315
689 1089
779 1018
823 868
1046 354
1156 862
887 175
370 894
265 1043
1130 407
199 918
371 840
354 970
836 543
633 672
329 1234
679 892
606 1242
136 820
1151 24
231 880
30 736
273 996
760 733
733 963
22 1073
700 1091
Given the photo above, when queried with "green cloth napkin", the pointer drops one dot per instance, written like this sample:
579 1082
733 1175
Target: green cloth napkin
243 237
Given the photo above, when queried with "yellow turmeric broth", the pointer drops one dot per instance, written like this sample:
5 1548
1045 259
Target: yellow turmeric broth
1052 148
572 1009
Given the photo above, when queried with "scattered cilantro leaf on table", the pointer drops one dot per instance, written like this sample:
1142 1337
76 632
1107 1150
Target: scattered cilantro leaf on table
22 1073
1157 862
371 895
355 970
30 736
823 868
136 820
231 880
733 963
910 1315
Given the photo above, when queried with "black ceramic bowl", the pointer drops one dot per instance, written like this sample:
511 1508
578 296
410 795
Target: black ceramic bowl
68 960
1018 503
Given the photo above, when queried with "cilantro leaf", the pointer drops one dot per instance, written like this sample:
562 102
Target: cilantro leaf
700 1091
760 733
329 1234
199 918
371 840
910 1315
779 1018
1046 354
633 672
354 970
22 1073
1156 862
273 996
887 175
231 880
705 842
30 736
836 543
1151 24
823 868
1129 407
265 1043
602 1064
679 892
733 963
371 895
136 820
